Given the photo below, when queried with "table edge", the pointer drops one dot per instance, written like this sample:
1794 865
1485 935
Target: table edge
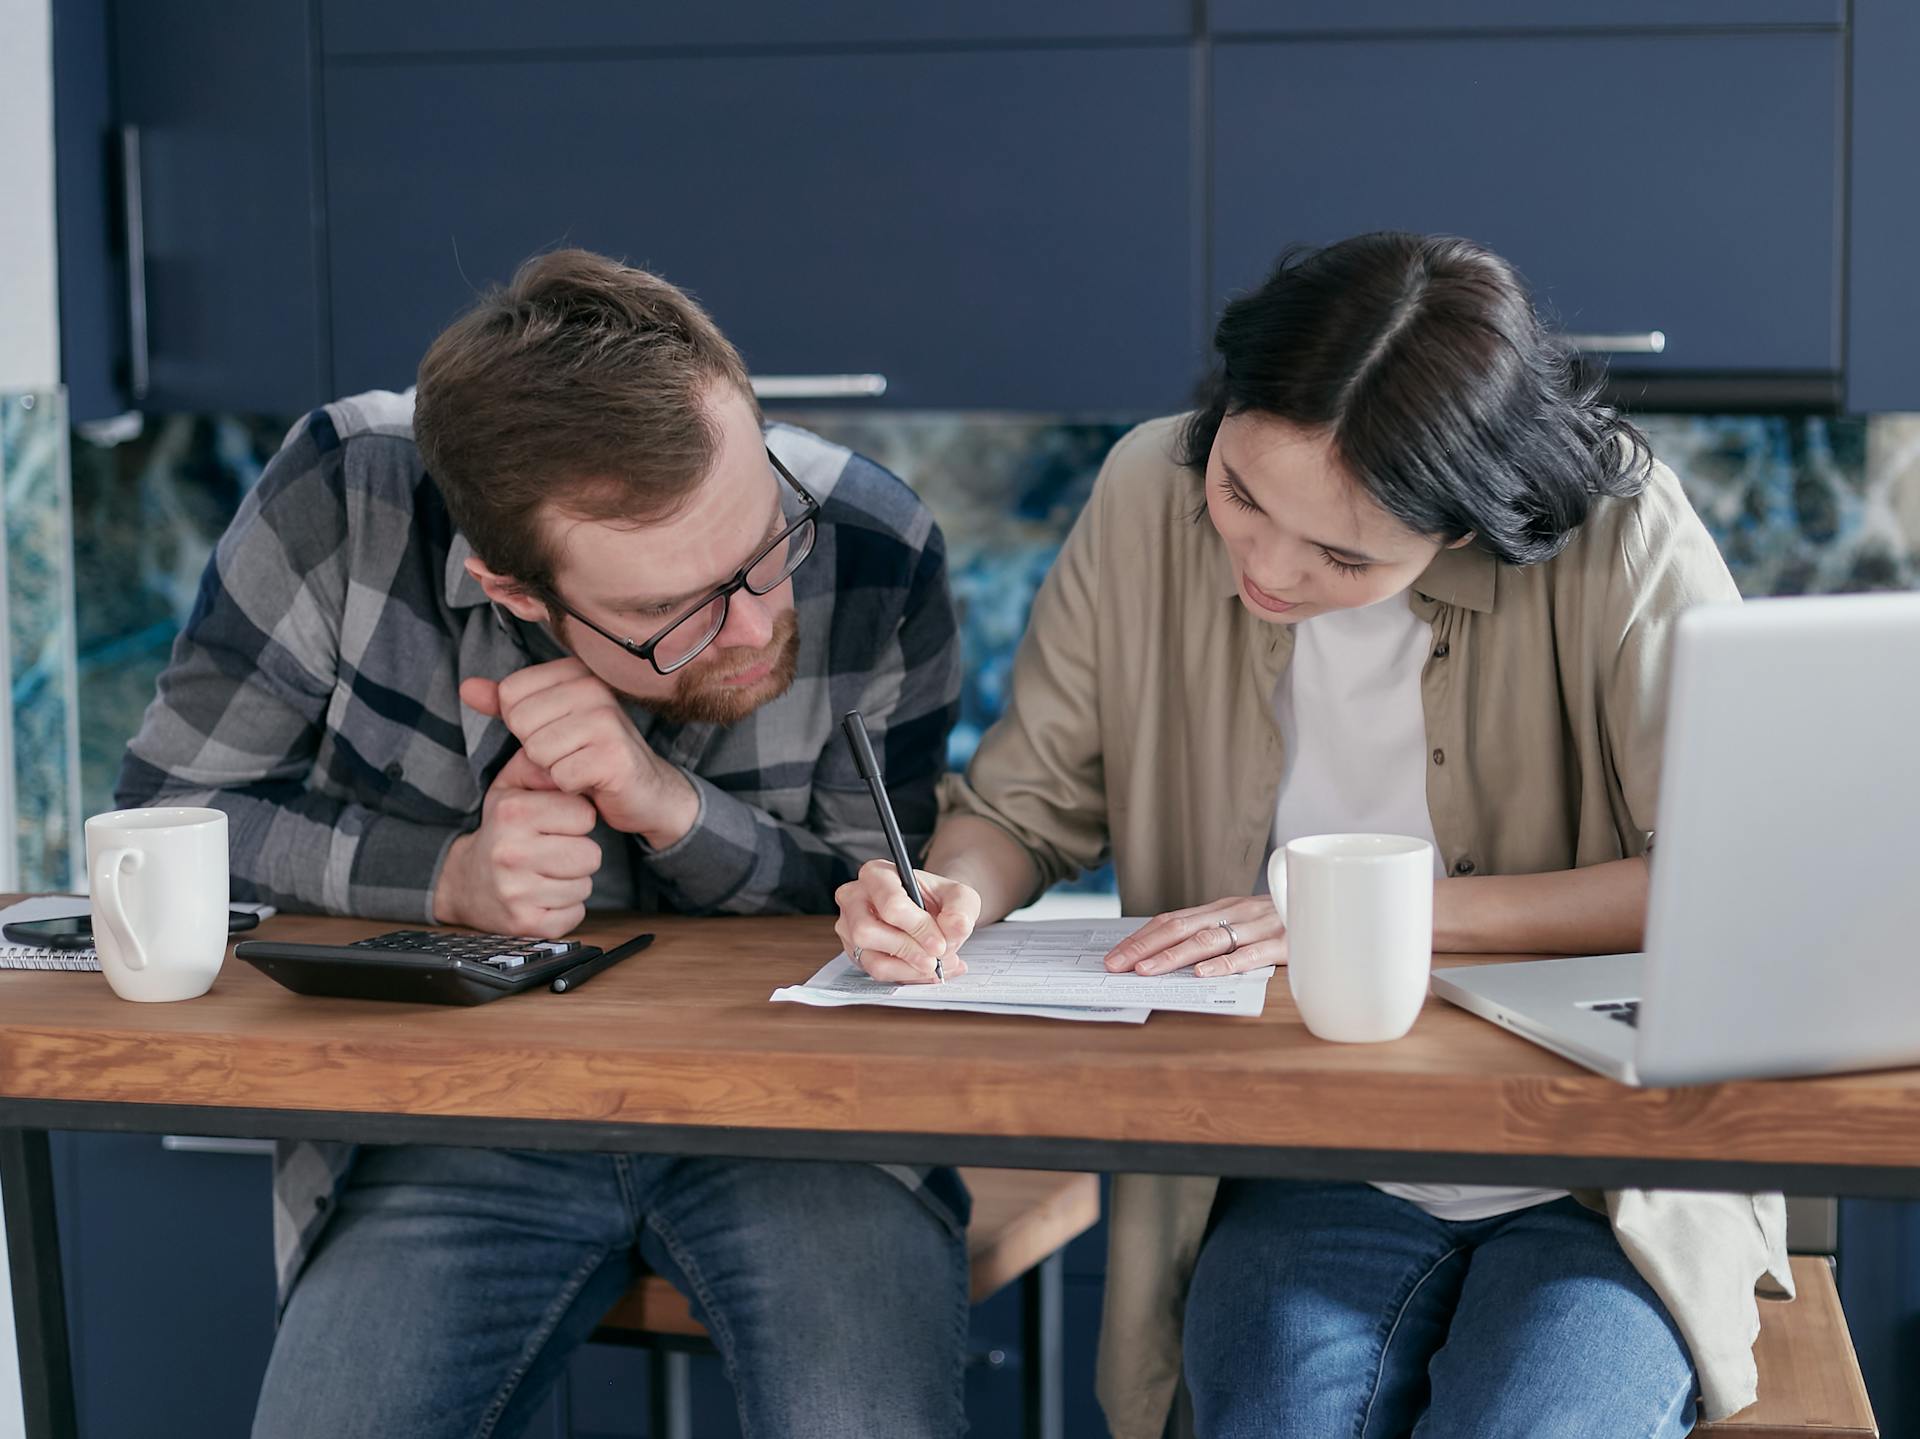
995 1151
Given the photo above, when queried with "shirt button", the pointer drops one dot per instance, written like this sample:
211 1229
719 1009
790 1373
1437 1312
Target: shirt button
1463 866
322 1204
394 771
1442 650
1439 756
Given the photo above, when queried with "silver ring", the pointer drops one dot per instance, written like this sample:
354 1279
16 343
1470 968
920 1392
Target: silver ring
855 957
1232 938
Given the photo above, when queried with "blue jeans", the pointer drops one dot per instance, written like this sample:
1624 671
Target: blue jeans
452 1284
1322 1310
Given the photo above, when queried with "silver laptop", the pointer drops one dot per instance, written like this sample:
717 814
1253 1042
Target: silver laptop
1783 931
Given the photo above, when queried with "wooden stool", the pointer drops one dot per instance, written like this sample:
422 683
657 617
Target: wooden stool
1022 1219
1810 1381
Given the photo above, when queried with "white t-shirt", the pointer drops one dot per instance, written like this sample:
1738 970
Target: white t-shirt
1349 711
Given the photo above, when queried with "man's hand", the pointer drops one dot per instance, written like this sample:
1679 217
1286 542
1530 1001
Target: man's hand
529 868
571 726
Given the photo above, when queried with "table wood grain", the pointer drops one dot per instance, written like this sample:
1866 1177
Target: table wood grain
683 1035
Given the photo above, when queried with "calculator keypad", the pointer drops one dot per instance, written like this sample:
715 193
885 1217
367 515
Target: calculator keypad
503 952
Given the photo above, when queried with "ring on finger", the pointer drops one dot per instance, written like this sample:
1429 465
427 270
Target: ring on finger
1233 940
855 957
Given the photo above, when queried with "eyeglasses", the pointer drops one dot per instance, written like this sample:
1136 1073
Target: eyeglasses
694 628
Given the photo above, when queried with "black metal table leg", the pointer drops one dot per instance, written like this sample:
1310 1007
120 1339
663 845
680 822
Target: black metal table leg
1043 1299
669 1393
39 1297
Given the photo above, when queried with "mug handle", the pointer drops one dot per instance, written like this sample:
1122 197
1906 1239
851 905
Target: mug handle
107 904
1277 883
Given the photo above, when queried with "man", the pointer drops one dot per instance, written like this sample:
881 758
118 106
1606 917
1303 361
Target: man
567 629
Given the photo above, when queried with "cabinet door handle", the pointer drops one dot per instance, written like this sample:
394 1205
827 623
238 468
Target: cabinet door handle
133 216
213 1144
819 387
1634 342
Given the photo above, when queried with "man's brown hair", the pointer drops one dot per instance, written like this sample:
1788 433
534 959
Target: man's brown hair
579 385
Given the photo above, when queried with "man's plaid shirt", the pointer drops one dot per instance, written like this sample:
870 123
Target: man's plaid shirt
314 697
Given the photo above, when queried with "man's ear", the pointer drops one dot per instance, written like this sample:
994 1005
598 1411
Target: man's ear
508 594
1468 538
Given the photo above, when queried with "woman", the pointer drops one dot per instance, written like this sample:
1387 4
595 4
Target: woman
1399 572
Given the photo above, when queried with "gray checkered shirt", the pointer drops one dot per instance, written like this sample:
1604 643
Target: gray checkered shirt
313 696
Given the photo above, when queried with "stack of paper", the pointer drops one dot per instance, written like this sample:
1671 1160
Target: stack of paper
1054 968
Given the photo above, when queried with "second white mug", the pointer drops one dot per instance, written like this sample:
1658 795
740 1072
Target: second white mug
1359 915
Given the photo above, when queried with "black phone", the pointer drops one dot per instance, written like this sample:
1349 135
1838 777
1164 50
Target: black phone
75 931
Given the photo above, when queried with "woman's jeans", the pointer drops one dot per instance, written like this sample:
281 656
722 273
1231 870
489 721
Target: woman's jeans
452 1284
1331 1310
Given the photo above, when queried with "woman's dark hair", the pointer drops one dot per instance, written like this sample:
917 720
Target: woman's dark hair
1446 398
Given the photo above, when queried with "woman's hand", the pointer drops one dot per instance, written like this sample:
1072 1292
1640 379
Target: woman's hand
1199 937
890 937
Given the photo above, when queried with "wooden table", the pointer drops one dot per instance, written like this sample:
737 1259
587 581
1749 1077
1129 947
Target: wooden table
678 1050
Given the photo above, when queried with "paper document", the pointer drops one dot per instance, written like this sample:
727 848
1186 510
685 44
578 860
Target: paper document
1053 965
824 991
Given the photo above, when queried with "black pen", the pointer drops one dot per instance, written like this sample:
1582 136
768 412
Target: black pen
580 973
863 760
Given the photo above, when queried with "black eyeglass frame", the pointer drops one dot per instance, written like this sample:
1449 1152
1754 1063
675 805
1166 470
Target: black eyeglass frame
644 650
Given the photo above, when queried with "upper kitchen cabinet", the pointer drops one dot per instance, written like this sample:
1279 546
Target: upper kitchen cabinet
93 301
441 27
1689 184
985 227
1883 313
207 158
1311 17
991 203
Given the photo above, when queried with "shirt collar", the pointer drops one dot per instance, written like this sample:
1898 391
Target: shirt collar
1465 576
462 590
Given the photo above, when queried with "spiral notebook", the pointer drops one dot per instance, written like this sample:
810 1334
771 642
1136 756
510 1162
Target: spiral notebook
54 906
29 956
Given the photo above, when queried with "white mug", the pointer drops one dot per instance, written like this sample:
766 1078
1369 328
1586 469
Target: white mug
159 883
1359 915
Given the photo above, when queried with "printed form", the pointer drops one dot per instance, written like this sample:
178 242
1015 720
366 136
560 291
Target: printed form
1050 967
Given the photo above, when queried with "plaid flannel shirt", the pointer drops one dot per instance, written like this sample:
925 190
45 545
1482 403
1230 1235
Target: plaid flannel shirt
313 697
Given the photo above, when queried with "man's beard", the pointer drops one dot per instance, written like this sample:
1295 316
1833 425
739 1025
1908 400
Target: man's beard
700 695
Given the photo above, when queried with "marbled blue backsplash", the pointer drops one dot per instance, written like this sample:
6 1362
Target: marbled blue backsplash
146 514
1797 504
40 639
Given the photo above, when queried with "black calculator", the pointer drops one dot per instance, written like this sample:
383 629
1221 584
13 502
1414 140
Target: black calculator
423 966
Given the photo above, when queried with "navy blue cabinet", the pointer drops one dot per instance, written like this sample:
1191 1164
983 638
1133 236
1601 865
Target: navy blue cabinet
1689 184
92 283
985 227
169 1283
994 204
222 99
190 226
1880 1291
1360 17
378 27
1883 310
